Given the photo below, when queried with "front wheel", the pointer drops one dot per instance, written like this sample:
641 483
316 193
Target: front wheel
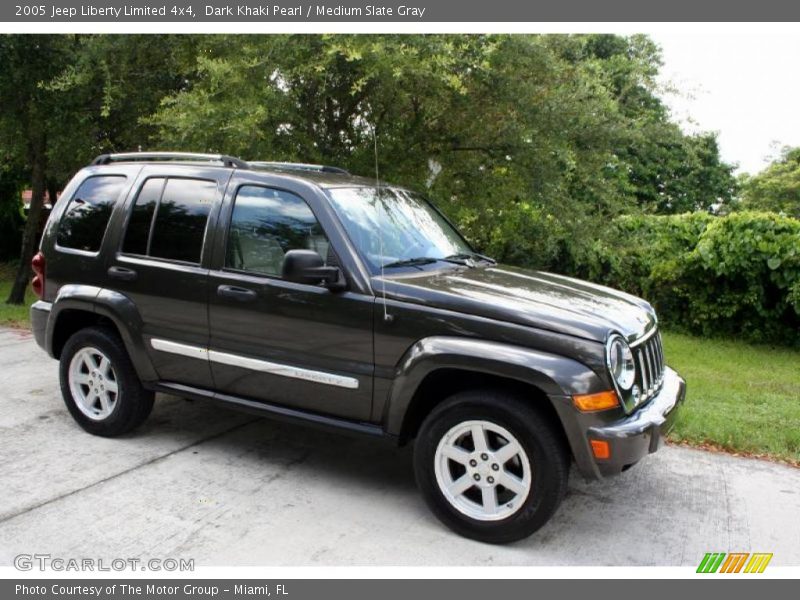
490 467
99 384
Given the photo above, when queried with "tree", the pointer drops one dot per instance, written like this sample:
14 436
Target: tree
30 111
776 188
11 220
513 141
674 173
69 98
531 143
669 171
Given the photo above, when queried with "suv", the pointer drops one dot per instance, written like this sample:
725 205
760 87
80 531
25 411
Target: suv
302 292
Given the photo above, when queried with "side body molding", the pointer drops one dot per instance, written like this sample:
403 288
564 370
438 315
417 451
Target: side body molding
110 304
557 376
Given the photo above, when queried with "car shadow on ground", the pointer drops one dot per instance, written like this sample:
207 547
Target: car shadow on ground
355 464
346 457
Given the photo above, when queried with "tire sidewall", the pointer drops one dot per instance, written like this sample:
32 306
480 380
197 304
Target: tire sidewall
548 471
127 382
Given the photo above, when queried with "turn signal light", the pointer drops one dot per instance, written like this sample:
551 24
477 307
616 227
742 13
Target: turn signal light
599 401
600 449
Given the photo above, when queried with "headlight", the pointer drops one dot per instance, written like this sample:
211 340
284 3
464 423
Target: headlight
619 360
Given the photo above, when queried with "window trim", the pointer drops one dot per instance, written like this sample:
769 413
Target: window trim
121 198
120 249
155 261
149 243
233 270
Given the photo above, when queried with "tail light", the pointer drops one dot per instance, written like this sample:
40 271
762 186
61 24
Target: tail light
37 263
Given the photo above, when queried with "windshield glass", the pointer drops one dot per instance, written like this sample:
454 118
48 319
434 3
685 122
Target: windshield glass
410 227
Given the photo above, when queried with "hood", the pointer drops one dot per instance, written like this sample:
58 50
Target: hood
533 298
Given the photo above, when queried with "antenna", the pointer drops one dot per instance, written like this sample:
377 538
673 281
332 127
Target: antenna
386 316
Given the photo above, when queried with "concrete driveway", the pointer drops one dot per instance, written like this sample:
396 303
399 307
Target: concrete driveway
199 481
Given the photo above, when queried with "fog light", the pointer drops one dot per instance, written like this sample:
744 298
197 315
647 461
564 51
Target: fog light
600 449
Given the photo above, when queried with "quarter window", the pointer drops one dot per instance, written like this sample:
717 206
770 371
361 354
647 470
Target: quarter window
85 220
169 219
266 224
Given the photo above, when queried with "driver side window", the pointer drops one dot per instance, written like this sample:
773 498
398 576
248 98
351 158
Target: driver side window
266 223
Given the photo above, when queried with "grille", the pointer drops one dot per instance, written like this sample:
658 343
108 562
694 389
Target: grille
649 356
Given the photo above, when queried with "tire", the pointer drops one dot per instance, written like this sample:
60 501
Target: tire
88 383
439 465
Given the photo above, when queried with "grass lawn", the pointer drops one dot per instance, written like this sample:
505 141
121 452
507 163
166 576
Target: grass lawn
741 398
12 315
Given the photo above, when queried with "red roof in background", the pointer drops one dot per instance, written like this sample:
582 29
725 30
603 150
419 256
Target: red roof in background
27 196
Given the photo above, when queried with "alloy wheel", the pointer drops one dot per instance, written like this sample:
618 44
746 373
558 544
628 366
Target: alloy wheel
482 470
93 383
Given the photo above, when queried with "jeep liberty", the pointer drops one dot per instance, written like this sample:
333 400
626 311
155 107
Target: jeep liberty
302 292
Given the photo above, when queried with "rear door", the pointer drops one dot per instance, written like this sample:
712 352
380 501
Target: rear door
162 265
272 340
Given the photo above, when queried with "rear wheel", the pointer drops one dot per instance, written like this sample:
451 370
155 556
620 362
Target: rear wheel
99 384
490 467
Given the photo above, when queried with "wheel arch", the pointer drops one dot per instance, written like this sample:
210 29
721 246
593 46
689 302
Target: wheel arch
79 306
436 367
442 383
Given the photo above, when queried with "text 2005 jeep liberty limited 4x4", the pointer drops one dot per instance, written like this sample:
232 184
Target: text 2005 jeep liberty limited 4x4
302 292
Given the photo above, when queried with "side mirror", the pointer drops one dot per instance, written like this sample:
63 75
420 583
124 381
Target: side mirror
307 266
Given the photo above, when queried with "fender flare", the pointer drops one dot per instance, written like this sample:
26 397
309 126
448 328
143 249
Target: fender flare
116 307
557 376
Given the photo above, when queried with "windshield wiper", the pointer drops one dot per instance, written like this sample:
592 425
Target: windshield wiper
427 260
464 260
411 262
470 257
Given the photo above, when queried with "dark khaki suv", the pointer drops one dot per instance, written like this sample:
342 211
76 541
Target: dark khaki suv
302 292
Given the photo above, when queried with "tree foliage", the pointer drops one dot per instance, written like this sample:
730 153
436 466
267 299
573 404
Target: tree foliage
737 275
533 144
29 122
67 98
11 220
777 188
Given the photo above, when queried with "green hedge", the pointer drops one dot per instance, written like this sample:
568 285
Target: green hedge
737 276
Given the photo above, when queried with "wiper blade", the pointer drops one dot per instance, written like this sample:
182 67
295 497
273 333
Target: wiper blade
464 260
411 262
470 257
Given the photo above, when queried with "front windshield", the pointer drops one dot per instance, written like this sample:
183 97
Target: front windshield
392 226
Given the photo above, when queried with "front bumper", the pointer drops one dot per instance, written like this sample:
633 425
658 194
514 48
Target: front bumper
641 433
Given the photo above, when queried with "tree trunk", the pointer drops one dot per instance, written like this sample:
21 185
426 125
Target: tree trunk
52 191
30 236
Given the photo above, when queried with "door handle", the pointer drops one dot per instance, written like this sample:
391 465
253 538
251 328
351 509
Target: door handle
236 293
122 273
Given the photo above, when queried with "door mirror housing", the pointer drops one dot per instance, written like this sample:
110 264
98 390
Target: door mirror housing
307 266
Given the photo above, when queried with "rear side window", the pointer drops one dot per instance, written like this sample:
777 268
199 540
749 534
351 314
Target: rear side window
169 219
85 220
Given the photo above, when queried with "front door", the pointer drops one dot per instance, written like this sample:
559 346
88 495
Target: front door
272 340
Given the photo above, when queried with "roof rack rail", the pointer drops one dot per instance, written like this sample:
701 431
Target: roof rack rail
290 166
225 160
